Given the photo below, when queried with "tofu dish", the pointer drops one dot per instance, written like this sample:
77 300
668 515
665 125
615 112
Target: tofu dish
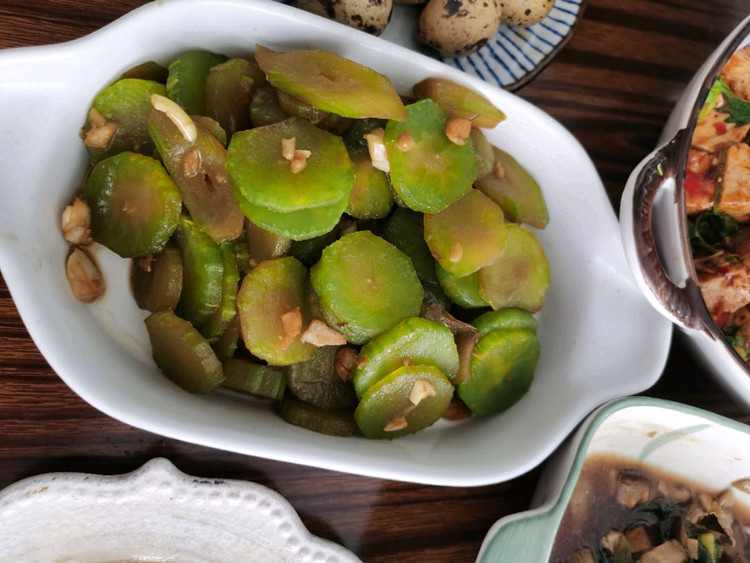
717 197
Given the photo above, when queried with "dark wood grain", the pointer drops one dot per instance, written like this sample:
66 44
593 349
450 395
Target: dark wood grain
613 86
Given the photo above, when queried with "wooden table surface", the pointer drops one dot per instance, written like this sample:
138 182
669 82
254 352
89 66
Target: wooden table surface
613 86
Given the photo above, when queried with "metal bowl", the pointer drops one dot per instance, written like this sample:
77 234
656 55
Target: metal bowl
653 222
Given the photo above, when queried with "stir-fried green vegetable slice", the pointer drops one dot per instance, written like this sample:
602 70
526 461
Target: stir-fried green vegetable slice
229 91
504 318
118 119
265 108
299 225
186 83
268 170
157 282
434 172
244 375
366 286
135 205
272 304
305 415
413 341
226 345
458 101
515 190
467 235
263 244
182 354
332 83
202 273
403 402
464 291
316 381
520 276
371 196
502 369
199 169
219 321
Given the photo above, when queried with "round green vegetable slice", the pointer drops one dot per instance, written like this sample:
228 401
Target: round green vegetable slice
502 369
198 169
157 283
219 321
229 91
405 401
467 235
263 244
484 152
226 345
366 285
516 191
124 106
316 381
520 275
414 341
264 177
504 318
458 101
462 291
332 83
243 375
212 127
186 83
202 273
305 415
405 230
135 206
272 304
265 108
302 224
294 107
434 172
371 196
183 354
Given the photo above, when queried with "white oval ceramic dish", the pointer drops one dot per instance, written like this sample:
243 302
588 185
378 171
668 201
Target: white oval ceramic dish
154 514
654 231
686 442
600 338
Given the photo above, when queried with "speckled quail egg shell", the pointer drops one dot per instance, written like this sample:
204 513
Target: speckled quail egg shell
524 12
458 27
371 16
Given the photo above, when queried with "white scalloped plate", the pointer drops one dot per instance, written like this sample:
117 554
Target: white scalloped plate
155 513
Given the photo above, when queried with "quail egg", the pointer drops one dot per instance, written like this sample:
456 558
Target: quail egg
456 28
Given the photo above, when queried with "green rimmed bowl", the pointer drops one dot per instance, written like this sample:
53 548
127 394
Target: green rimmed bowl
704 448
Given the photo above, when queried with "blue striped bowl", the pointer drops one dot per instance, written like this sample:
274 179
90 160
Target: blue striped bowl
516 54
511 58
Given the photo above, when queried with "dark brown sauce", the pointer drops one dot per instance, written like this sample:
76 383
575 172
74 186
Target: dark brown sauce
594 508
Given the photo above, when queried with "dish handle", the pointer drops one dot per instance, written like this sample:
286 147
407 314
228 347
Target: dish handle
527 536
657 176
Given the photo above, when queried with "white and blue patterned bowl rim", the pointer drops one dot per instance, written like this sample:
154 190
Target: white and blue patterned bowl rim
515 54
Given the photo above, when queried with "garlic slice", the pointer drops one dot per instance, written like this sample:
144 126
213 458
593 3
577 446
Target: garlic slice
176 115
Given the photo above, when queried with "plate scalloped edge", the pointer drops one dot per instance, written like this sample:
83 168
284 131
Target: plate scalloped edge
155 513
